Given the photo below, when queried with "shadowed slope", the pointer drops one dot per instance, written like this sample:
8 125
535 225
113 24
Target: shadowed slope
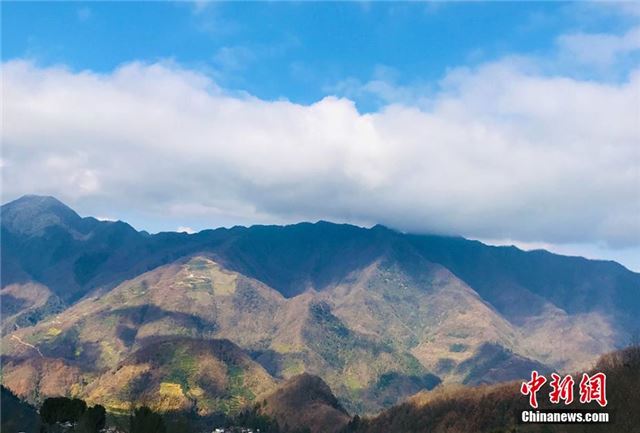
495 408
306 401
26 304
17 415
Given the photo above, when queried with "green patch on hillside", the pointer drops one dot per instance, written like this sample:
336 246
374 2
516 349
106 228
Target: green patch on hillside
198 264
292 366
181 366
237 394
328 336
458 347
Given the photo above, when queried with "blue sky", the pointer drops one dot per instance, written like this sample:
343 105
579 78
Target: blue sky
298 51
511 122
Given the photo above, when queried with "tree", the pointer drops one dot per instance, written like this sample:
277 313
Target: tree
17 415
62 409
253 419
353 425
144 420
93 420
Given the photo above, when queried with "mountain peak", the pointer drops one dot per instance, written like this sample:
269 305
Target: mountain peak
36 201
33 214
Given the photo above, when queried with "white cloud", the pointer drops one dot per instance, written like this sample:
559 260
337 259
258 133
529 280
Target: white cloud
499 152
185 229
382 89
234 58
599 49
105 218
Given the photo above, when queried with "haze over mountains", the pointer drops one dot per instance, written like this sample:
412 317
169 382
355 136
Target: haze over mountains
219 319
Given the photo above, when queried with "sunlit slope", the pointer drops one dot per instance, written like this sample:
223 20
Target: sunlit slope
375 339
198 299
183 374
97 348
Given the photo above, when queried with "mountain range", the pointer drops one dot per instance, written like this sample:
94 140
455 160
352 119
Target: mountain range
214 321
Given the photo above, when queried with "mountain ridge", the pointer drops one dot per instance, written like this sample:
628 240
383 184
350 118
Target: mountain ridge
56 203
376 313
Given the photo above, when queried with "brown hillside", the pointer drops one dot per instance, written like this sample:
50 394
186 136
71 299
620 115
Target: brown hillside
180 375
494 408
306 401
25 304
384 332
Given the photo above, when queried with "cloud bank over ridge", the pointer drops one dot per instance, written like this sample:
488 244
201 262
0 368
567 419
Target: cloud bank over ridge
498 151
